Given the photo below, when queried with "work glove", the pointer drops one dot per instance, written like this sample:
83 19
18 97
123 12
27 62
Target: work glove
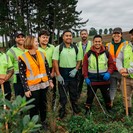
87 81
60 79
73 73
106 76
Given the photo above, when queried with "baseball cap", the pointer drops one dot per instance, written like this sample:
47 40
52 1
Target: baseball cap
18 33
131 31
117 30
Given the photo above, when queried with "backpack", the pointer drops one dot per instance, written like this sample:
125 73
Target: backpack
61 48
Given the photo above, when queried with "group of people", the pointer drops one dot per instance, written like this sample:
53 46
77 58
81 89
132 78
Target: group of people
37 65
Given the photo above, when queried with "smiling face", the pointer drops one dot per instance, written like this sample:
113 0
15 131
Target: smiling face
35 44
67 37
20 39
84 35
97 43
117 37
44 39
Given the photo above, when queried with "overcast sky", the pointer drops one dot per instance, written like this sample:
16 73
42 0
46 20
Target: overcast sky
107 13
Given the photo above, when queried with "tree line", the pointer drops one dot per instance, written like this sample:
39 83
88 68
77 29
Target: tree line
31 16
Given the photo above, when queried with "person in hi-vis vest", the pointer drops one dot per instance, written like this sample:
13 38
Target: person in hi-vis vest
124 63
35 77
114 47
97 68
6 71
84 46
13 53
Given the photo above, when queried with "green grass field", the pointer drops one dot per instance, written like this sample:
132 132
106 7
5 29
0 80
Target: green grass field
96 122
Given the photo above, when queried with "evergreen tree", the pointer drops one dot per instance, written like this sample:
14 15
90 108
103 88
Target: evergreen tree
110 30
106 31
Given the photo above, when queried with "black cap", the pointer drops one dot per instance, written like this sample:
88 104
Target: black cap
131 31
117 30
18 33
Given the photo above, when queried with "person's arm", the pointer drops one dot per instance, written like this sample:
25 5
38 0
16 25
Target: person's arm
78 64
110 64
119 62
47 69
56 67
56 60
51 85
85 66
22 73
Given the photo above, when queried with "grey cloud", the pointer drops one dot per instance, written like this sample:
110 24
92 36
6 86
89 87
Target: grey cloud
106 14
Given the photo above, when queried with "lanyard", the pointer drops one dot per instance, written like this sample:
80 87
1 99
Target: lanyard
35 59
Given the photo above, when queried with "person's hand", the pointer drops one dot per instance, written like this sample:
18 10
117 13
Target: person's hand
52 74
87 81
106 76
73 73
51 85
2 81
123 70
28 94
60 79
125 74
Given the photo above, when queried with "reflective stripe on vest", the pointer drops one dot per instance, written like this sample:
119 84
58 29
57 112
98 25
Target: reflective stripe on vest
14 54
89 44
32 77
111 50
102 63
15 57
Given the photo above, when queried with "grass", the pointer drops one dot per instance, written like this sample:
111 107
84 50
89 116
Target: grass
97 122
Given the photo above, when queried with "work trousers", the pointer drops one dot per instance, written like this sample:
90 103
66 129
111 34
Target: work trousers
80 77
7 90
105 93
40 103
115 78
69 87
18 87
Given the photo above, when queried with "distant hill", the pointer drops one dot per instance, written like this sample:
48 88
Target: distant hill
106 38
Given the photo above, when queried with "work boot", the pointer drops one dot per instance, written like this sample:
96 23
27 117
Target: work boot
87 110
109 109
76 110
62 113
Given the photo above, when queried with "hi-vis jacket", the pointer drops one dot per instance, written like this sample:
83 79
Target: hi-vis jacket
79 44
96 65
5 65
114 55
125 59
14 52
35 69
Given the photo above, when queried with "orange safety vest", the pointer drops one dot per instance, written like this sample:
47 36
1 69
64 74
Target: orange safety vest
110 48
35 69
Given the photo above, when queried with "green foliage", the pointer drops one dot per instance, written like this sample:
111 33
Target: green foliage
16 116
78 124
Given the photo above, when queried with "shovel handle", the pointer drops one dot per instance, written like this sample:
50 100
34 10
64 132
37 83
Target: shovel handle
125 94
